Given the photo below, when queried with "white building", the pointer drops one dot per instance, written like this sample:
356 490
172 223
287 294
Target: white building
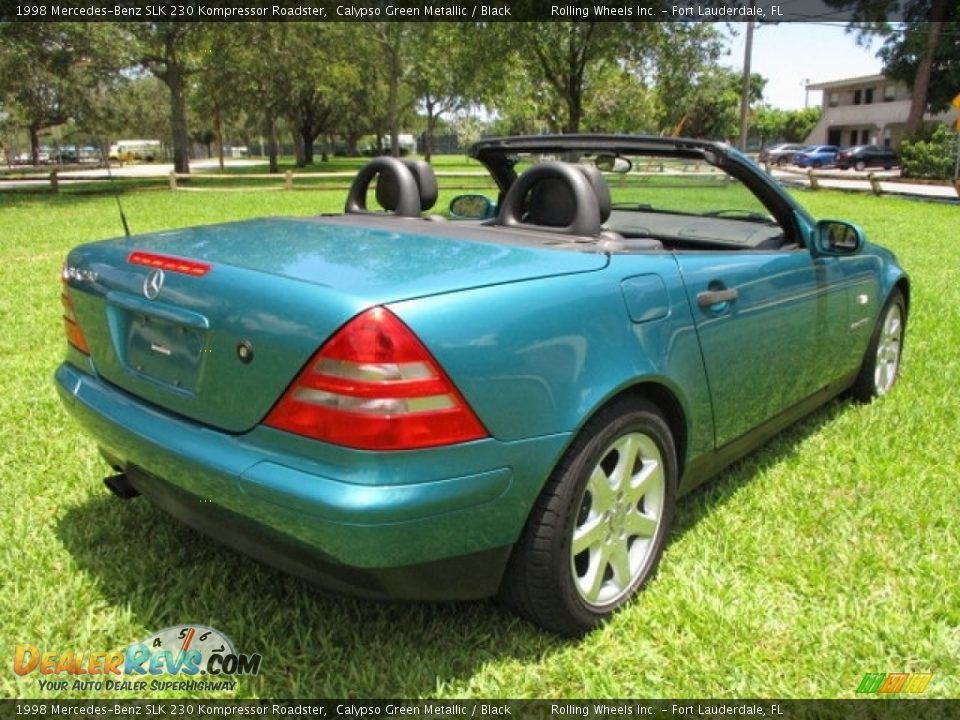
865 110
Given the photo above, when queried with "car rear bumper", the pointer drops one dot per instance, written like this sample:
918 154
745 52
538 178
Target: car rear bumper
420 533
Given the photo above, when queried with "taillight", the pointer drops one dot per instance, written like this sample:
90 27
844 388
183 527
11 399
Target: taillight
374 386
70 325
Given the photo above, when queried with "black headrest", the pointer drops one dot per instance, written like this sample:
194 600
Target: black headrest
397 190
600 189
426 182
388 192
550 203
552 194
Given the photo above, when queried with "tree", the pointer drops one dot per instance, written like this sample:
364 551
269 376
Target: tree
443 74
51 73
568 65
774 125
905 50
709 107
169 50
916 51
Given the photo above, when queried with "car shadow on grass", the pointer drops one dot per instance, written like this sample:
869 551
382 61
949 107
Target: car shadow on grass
313 644
717 491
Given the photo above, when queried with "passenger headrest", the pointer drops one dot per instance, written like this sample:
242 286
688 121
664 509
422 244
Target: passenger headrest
600 189
550 203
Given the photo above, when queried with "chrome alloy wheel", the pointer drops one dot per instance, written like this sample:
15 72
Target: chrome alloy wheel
888 350
615 530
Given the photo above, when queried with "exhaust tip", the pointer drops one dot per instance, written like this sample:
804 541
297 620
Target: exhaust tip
120 486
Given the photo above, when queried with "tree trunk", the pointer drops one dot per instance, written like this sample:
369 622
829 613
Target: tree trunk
270 130
178 118
921 82
307 136
34 144
218 128
298 148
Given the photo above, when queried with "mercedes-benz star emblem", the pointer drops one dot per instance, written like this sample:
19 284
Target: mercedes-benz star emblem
152 284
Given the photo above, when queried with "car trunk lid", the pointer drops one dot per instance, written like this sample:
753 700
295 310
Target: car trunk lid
220 346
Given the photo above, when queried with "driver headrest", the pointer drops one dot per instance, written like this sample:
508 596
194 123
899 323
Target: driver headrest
388 192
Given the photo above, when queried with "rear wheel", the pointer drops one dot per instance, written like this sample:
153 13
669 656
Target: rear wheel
817 164
597 532
859 165
881 364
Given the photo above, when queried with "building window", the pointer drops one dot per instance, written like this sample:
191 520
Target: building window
834 99
853 137
868 96
856 96
889 93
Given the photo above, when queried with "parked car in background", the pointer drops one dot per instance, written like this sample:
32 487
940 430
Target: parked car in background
860 157
509 403
781 154
816 156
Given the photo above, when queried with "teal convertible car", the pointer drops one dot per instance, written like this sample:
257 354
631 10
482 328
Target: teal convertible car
504 401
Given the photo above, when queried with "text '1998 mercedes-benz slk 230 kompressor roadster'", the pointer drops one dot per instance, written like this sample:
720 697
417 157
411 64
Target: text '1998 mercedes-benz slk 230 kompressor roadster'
507 400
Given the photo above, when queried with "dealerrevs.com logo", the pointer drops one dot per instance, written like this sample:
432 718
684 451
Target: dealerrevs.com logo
183 652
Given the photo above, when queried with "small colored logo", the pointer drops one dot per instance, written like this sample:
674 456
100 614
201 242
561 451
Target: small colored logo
185 650
893 683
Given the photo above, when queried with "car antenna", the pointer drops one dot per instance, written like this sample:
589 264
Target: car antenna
116 191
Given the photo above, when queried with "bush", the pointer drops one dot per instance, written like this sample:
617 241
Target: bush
933 158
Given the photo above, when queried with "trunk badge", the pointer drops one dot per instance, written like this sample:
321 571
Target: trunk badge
152 284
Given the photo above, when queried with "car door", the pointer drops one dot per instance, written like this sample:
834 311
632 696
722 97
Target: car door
768 324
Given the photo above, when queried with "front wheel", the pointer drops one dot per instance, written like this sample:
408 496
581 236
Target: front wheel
598 529
881 364
860 165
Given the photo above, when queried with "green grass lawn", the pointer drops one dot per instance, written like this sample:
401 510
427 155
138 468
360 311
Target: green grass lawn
832 552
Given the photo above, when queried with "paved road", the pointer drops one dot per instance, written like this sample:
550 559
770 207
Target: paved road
859 181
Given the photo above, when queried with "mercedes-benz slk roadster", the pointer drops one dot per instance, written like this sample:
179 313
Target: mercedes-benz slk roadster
506 400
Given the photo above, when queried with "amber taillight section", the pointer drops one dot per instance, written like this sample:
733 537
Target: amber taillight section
70 325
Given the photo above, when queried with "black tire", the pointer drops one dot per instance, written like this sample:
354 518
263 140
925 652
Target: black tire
545 581
881 363
817 164
860 165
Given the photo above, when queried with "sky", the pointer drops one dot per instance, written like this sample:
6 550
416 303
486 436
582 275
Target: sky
790 54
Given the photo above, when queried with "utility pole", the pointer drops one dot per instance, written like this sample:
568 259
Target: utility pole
745 90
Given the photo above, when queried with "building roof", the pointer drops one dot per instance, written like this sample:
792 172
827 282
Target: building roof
863 79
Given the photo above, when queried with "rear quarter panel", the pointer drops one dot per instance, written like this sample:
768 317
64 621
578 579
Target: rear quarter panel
540 357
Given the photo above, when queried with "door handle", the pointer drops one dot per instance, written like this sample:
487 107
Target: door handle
708 298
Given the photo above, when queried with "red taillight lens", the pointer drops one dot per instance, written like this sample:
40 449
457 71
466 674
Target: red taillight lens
374 386
70 325
168 262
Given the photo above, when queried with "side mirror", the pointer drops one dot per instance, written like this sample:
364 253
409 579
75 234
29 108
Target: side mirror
836 237
472 207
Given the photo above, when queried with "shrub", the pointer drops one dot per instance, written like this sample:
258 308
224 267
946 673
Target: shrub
934 157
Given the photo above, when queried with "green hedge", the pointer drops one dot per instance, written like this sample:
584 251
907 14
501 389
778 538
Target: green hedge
934 157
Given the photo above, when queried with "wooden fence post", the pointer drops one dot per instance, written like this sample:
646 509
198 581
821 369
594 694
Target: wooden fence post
814 183
173 179
288 180
874 184
54 182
